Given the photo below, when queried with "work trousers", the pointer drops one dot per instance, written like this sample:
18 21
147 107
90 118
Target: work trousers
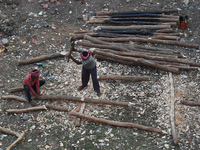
86 76
27 89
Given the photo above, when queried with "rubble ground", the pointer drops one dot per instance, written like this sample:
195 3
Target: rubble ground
34 31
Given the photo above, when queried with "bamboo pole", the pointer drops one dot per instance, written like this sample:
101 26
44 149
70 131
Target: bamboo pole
136 39
26 109
172 113
133 27
116 123
127 78
20 137
39 59
189 103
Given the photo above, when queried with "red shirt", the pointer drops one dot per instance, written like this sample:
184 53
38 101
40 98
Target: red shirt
28 81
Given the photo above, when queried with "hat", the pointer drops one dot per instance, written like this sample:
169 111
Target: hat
35 72
85 54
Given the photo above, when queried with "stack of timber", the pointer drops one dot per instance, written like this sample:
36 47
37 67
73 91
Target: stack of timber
132 21
115 43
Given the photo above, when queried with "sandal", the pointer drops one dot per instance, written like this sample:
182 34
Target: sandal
81 87
98 93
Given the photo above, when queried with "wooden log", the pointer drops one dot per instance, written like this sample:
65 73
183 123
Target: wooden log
26 109
83 31
164 30
164 37
150 19
136 15
137 39
140 61
80 99
18 89
59 108
20 137
101 57
133 27
189 103
116 123
103 13
105 21
17 141
141 55
40 58
95 40
78 120
13 97
173 24
118 48
172 113
126 78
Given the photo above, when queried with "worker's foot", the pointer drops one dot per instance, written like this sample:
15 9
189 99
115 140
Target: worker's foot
32 103
81 87
98 93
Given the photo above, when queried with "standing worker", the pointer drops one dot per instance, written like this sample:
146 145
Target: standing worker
89 67
32 84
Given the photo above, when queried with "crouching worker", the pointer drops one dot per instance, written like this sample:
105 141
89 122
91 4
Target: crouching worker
89 67
32 84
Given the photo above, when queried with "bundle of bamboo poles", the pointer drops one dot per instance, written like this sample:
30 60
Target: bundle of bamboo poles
130 54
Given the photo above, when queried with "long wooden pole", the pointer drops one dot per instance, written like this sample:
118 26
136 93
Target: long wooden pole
172 113
102 13
136 15
20 137
137 39
127 78
39 59
18 89
133 27
71 98
14 97
189 103
80 99
26 109
116 123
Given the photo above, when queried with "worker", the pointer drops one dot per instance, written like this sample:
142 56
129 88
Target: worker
89 67
32 84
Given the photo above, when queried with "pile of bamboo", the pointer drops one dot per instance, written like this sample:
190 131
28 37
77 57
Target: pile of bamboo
110 42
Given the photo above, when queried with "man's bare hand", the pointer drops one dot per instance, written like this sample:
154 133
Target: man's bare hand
37 96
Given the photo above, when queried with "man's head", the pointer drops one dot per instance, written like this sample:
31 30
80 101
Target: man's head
35 73
85 54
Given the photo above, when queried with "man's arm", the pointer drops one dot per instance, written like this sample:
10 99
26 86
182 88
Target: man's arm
76 61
